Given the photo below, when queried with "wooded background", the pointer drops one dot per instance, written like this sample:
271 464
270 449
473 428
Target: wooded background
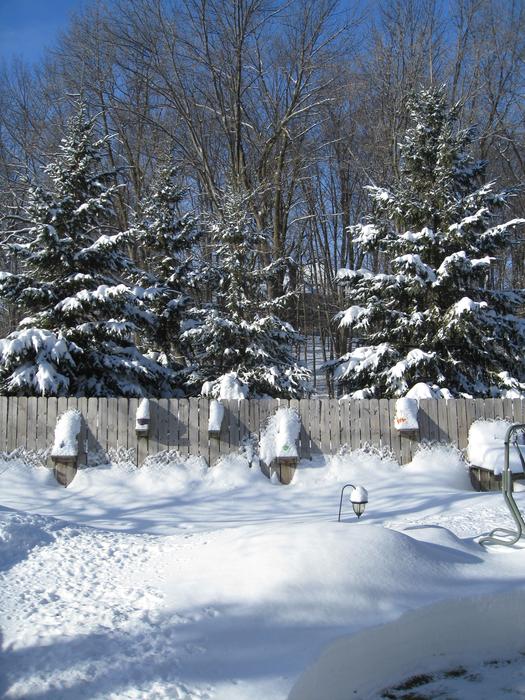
300 103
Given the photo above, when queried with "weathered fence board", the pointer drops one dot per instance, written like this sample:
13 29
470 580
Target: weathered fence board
108 426
3 423
12 424
355 425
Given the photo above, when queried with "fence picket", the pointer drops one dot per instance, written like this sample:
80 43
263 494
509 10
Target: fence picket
32 425
324 425
133 404
123 419
366 426
92 418
12 424
3 422
204 450
163 407
518 410
375 422
355 424
335 426
315 426
304 414
52 414
463 425
385 427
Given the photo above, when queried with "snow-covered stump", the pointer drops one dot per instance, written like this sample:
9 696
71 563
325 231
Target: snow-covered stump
66 447
278 450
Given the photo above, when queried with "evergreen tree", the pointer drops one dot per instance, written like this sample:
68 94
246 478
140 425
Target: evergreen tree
431 315
240 331
81 316
166 241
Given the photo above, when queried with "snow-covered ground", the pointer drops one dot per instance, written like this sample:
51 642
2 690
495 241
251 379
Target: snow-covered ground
175 581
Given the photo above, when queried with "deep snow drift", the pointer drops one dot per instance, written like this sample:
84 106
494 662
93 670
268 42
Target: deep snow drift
176 581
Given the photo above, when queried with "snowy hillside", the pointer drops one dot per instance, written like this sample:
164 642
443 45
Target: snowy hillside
174 581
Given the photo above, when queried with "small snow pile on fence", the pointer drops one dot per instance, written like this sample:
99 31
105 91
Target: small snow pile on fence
406 414
486 446
279 437
142 417
66 434
216 416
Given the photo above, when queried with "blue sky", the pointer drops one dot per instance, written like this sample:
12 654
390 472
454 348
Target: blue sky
28 26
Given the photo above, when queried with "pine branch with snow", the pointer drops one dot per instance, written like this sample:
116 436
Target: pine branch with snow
240 330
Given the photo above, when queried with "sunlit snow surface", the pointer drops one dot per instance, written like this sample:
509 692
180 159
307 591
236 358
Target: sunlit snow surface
176 581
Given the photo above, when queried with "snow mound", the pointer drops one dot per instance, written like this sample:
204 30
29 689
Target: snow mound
21 533
453 632
440 463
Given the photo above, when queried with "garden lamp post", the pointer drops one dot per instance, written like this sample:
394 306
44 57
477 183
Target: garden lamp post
358 499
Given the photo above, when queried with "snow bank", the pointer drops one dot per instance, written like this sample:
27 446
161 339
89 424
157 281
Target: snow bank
21 533
66 434
279 437
441 636
406 414
442 465
486 448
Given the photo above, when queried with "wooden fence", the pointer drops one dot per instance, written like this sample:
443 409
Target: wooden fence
182 425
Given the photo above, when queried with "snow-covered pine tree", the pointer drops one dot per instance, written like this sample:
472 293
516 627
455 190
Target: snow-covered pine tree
165 240
432 314
240 331
81 317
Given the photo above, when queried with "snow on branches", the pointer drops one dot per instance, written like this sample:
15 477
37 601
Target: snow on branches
427 312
